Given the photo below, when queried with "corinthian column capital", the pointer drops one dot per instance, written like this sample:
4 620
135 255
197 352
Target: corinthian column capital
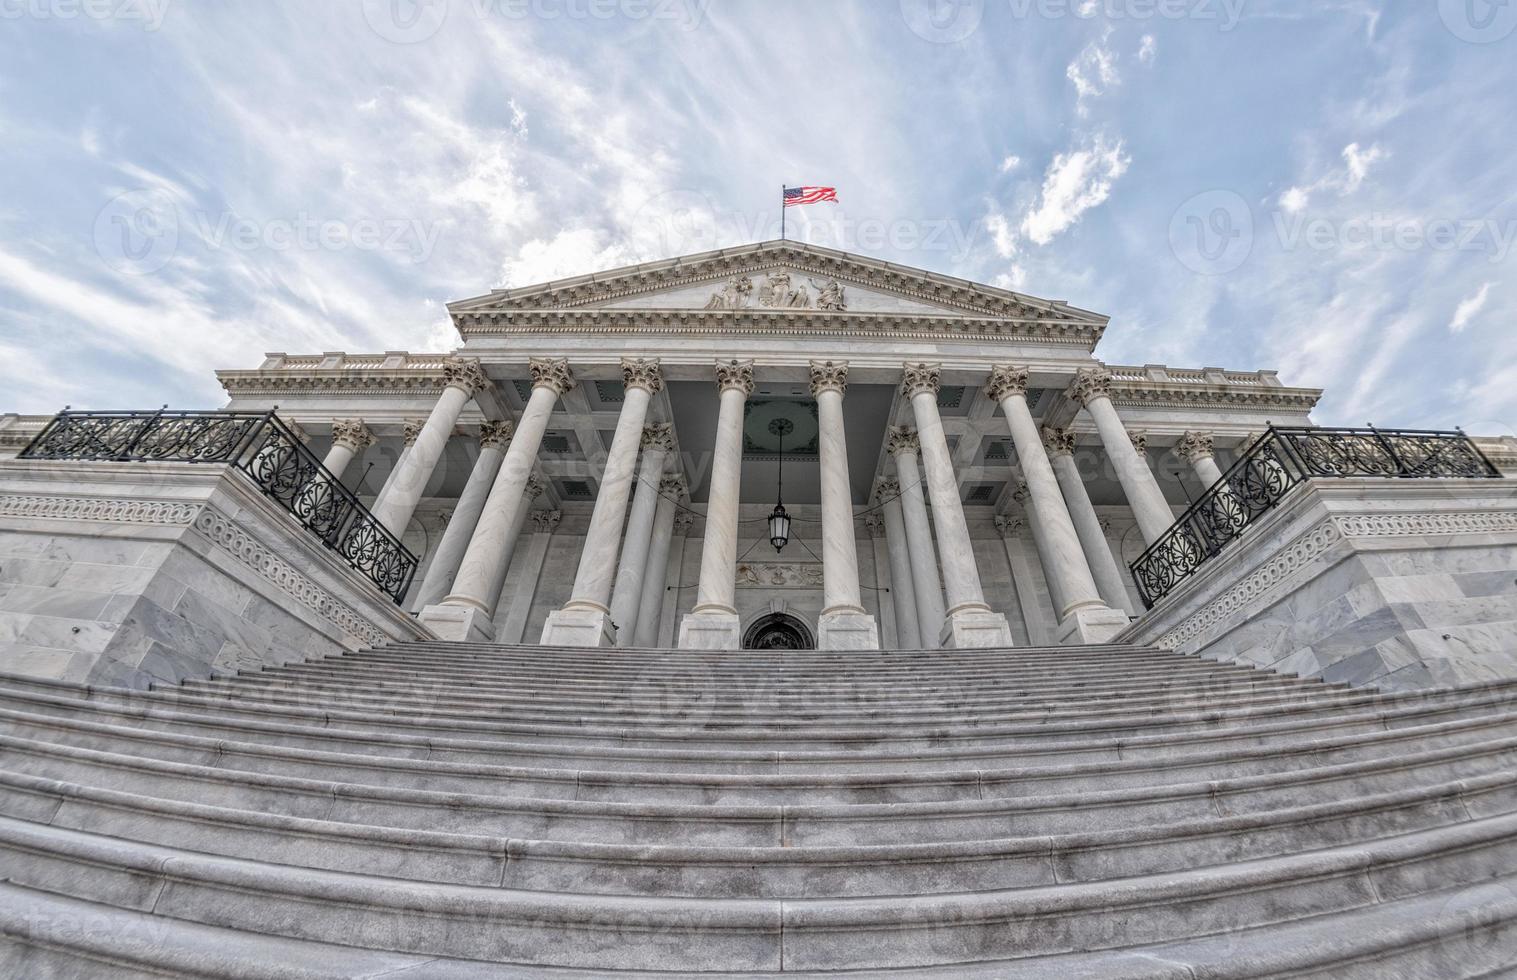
1090 383
1058 442
1139 441
735 374
464 373
901 439
1008 526
534 488
921 377
887 490
546 521
659 436
829 376
673 486
642 372
1006 380
551 372
1194 446
496 435
352 433
410 429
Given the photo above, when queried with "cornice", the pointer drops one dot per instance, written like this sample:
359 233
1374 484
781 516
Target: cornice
1149 394
319 381
777 323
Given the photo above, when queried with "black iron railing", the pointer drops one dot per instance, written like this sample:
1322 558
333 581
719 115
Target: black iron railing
262 447
1276 462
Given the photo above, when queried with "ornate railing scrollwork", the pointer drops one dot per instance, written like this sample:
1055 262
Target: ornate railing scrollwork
263 448
1278 461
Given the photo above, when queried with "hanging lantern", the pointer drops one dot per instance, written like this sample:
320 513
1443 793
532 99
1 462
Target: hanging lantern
779 527
779 521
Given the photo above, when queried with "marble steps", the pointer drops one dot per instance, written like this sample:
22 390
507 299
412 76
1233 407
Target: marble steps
694 871
588 656
716 708
52 697
1456 934
24 733
1157 737
560 929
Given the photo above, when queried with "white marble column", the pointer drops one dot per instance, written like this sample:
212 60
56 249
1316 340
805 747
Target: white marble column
409 430
890 636
713 624
926 584
349 438
1092 388
519 609
971 622
651 602
1083 616
902 591
627 596
465 613
534 489
1040 632
1098 554
1039 528
585 620
674 579
1196 449
494 437
844 624
462 379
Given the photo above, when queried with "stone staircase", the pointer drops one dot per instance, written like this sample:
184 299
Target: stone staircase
439 810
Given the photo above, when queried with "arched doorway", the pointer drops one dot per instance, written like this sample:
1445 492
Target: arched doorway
778 631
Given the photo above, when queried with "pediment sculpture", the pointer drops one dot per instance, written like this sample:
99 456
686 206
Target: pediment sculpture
776 292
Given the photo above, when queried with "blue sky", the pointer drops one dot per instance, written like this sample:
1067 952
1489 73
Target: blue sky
1325 188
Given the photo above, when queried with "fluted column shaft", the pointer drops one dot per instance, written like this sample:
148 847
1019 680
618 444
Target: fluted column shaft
651 602
482 570
411 429
840 560
1150 509
961 578
1036 523
1098 555
597 563
513 539
1196 449
627 597
466 513
395 507
902 588
926 585
717 591
349 438
1059 544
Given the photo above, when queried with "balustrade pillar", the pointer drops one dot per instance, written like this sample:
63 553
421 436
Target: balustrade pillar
1092 388
927 585
713 624
844 623
1083 616
462 380
494 437
585 620
898 552
655 571
465 613
627 597
970 622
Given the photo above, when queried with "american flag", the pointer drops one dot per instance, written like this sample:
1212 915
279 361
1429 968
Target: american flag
809 195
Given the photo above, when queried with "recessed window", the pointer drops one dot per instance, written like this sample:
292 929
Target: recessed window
577 490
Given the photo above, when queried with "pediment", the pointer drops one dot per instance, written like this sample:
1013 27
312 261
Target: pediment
780 277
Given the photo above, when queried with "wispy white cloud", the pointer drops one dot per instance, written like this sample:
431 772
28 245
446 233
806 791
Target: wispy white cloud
1148 50
1074 183
1469 307
1092 73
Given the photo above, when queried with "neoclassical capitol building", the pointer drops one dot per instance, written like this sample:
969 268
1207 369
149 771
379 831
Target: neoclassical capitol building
768 610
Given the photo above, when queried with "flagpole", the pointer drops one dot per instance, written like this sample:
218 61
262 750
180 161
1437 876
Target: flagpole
782 212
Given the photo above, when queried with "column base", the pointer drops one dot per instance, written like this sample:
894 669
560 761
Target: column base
711 631
965 630
578 627
1092 624
460 624
847 631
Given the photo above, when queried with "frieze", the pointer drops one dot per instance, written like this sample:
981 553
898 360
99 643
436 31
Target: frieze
103 509
774 575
